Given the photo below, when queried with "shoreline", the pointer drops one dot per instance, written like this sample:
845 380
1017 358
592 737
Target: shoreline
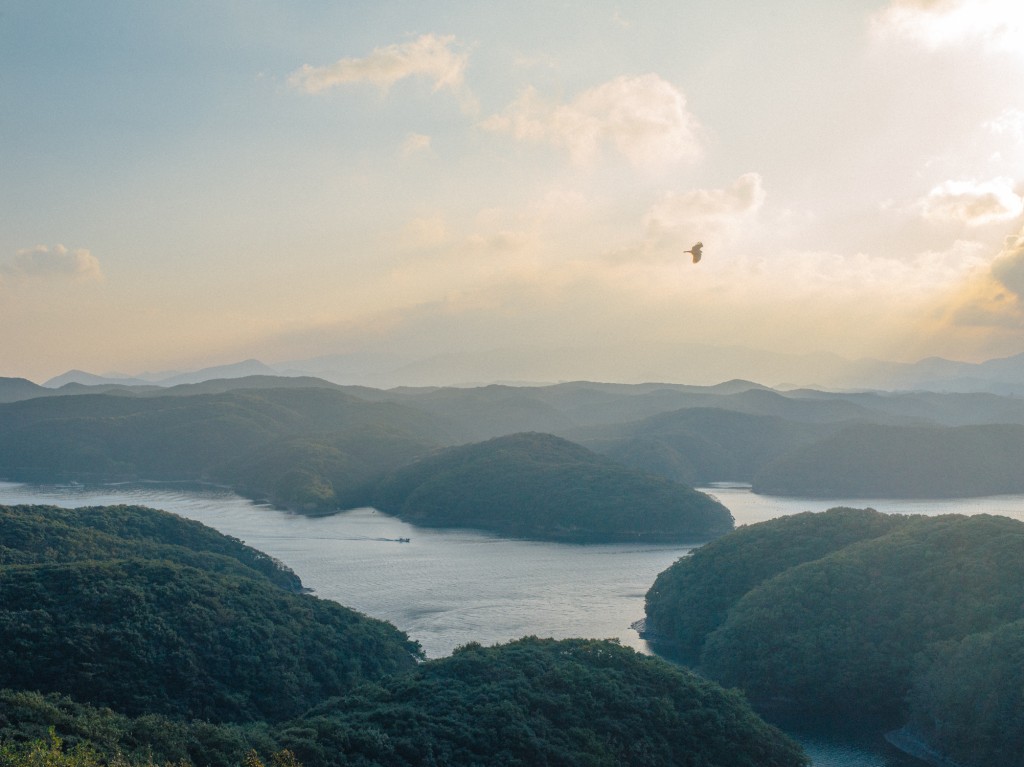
913 745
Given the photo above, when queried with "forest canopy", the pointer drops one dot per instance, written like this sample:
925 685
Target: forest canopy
105 609
858 613
536 485
118 644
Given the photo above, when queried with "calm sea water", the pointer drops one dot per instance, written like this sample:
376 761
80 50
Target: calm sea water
449 587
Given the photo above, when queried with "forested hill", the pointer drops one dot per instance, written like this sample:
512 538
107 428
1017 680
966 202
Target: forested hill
111 613
52 535
967 698
859 615
316 447
119 645
530 702
883 461
312 449
540 486
691 599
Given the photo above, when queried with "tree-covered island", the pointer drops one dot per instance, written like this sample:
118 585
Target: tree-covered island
537 485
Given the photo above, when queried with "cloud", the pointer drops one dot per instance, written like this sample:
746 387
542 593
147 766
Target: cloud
994 298
415 143
643 118
994 24
696 213
973 203
1008 268
430 56
43 262
1010 122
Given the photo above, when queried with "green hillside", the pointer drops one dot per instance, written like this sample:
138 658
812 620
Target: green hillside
541 701
875 461
315 447
540 486
967 697
844 630
848 615
693 597
700 445
136 623
530 702
130 637
52 535
313 450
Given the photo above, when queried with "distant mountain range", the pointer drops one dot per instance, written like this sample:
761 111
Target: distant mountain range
690 364
237 370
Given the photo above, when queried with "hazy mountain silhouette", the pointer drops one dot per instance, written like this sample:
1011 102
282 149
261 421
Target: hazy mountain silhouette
248 367
692 363
14 389
90 379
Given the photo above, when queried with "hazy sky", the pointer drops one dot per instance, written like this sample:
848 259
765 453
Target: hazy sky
195 183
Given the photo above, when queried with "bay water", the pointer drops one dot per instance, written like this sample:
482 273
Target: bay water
448 587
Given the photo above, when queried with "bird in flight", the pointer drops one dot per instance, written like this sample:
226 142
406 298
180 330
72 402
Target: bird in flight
695 251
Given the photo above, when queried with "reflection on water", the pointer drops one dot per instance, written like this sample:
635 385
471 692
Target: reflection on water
449 587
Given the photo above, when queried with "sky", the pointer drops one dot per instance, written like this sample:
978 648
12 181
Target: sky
195 183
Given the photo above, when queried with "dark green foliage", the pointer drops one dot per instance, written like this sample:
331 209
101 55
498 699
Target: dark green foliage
149 636
968 697
317 474
700 445
140 661
691 599
147 613
313 449
48 752
47 534
852 624
874 461
312 446
843 631
540 486
531 702
28 718
541 702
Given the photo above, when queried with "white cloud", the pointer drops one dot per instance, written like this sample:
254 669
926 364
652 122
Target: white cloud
993 297
644 118
973 203
697 210
1008 268
42 261
1009 123
431 56
996 24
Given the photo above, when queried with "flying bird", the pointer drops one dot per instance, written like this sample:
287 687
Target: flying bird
695 251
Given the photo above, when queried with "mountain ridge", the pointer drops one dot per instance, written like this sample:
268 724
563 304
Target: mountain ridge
699 365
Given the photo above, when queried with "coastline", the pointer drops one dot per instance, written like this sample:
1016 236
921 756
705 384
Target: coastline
914 745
